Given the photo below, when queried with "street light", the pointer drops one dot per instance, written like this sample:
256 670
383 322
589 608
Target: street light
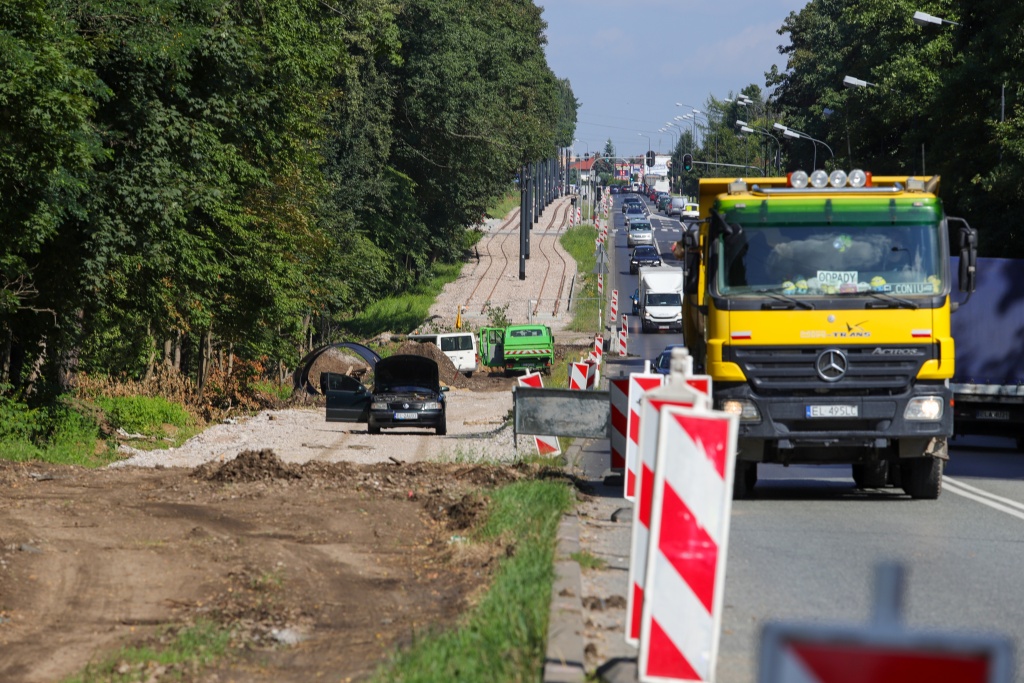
747 128
851 82
792 133
925 19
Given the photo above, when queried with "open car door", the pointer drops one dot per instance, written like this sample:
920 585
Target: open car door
347 399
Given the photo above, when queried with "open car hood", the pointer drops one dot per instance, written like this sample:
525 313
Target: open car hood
399 373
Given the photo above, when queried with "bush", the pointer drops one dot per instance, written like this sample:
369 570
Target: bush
143 414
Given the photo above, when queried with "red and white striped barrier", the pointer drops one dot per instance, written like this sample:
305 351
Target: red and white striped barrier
579 215
680 391
578 373
691 503
546 445
639 384
623 336
615 306
618 395
593 373
598 347
600 282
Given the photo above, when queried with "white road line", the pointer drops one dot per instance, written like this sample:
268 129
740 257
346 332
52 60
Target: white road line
1010 507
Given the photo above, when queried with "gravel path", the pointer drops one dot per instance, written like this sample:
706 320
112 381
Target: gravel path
476 419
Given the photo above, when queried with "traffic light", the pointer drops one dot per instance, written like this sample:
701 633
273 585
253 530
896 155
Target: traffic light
687 162
650 158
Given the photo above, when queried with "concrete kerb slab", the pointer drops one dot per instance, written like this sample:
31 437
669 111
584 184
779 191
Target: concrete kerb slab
564 659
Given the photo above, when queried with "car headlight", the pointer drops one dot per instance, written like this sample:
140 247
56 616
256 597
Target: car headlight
924 408
657 263
432 405
746 410
379 405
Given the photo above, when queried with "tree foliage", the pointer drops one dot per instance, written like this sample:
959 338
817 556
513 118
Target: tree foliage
185 179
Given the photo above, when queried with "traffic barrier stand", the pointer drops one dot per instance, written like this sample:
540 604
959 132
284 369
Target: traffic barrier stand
578 376
598 347
593 372
618 396
681 388
623 336
546 445
689 537
639 384
600 282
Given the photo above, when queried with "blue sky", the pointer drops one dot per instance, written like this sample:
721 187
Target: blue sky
630 61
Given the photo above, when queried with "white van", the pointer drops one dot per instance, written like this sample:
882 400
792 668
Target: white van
460 347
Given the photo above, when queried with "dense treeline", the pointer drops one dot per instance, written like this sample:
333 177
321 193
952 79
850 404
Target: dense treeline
182 180
945 99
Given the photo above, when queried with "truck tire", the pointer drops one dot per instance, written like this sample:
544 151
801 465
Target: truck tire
871 475
744 480
922 477
372 427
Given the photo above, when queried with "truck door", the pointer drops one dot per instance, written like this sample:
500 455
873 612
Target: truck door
347 399
492 347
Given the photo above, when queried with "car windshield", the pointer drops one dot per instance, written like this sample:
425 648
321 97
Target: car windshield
632 208
663 299
637 225
645 252
825 260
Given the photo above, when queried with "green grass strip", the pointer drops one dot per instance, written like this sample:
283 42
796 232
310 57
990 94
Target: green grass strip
503 639
191 649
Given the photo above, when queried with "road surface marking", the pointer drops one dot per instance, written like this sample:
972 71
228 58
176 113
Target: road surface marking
1010 507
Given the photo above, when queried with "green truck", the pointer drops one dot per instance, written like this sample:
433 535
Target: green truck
524 348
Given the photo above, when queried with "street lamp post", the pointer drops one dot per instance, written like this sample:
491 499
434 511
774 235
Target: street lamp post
747 128
792 133
925 19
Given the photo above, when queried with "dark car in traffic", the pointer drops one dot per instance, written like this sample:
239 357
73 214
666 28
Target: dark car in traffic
643 255
406 392
632 200
663 362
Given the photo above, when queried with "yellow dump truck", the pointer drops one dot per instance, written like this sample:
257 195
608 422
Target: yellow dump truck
819 304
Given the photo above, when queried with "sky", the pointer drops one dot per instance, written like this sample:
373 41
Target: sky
630 61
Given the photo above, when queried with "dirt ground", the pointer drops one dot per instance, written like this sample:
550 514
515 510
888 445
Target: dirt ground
320 569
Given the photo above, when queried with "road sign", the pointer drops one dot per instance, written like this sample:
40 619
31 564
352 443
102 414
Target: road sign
881 651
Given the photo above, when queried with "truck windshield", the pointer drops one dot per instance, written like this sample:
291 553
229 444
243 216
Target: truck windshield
902 260
663 299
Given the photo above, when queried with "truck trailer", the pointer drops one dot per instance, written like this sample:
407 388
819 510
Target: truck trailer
820 306
988 383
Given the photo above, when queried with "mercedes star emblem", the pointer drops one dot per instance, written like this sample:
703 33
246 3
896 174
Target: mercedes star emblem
832 365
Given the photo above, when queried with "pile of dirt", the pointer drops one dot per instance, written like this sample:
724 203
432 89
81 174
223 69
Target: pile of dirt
250 465
337 360
446 369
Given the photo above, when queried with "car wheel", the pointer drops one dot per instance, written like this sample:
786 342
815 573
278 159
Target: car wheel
922 477
372 427
469 374
744 480
871 475
442 428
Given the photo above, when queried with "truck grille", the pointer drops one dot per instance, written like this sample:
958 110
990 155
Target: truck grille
863 370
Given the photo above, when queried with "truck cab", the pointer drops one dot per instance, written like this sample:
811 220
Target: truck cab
515 348
821 311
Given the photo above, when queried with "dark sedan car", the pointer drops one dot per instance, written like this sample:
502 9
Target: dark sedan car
406 393
643 256
663 363
631 200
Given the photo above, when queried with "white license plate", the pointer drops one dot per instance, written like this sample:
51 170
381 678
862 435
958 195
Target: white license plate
993 414
832 411
407 416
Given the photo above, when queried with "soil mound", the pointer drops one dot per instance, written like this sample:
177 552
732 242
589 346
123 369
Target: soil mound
446 369
248 466
337 360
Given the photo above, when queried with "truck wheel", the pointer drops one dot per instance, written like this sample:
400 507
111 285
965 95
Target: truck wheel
442 428
372 427
871 475
922 477
745 479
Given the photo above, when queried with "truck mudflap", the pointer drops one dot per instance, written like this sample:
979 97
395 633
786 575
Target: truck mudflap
835 428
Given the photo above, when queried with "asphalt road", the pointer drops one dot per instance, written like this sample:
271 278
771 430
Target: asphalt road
805 547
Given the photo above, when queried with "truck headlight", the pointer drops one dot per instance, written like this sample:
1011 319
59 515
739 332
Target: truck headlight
379 405
432 405
924 408
746 410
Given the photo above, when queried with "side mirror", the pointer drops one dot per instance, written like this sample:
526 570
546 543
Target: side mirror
968 255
